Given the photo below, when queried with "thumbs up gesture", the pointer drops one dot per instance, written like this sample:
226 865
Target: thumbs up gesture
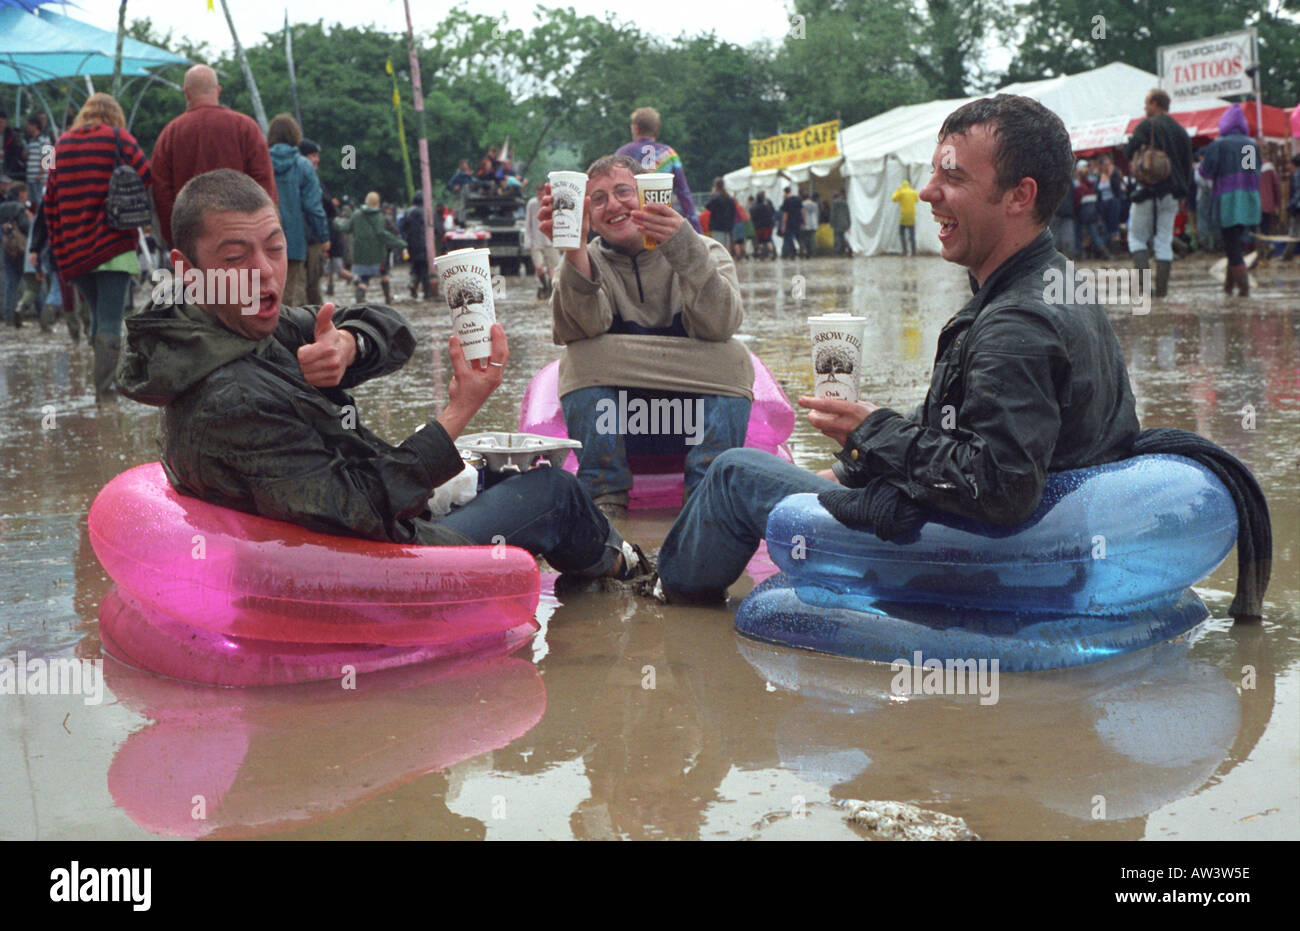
328 355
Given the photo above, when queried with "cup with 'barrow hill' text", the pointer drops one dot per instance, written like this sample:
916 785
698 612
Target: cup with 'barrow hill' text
837 354
653 187
466 277
568 193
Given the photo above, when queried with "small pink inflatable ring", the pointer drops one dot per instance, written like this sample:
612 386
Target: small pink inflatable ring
242 575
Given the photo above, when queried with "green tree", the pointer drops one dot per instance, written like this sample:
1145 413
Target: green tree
1067 36
850 59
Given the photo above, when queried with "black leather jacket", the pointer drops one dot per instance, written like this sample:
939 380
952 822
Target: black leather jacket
1021 387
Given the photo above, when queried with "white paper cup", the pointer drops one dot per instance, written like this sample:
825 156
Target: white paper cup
837 354
653 187
466 277
568 190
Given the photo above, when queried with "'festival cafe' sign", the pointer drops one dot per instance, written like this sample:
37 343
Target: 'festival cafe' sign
807 145
1213 67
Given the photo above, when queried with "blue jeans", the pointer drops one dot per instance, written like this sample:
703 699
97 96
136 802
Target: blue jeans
546 512
1160 227
13 287
907 233
602 461
722 524
105 292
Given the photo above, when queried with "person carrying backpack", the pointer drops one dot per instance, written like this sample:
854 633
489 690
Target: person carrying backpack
1160 152
92 211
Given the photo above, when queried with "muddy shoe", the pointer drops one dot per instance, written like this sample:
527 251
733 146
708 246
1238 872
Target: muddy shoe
653 588
635 564
612 509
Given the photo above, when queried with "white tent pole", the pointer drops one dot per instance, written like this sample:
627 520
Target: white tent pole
1259 99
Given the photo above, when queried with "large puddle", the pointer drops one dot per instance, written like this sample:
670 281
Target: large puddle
566 738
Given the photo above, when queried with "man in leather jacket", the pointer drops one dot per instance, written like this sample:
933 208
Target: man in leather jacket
1022 384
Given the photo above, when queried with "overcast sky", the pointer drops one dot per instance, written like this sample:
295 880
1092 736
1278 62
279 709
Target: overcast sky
741 23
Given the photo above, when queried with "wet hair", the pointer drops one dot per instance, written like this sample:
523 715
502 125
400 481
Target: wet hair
1159 98
213 191
1031 142
283 128
100 108
719 184
646 120
607 163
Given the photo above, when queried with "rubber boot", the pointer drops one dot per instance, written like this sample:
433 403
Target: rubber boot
361 294
1162 277
388 291
106 349
1242 275
1140 259
1229 279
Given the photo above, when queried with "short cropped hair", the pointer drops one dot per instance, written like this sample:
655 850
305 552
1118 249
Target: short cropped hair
607 163
213 191
283 128
646 120
1031 142
1159 98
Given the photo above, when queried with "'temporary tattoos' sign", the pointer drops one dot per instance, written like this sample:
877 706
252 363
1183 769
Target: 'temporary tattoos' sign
1213 67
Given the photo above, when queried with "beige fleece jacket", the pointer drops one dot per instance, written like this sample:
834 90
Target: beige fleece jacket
690 279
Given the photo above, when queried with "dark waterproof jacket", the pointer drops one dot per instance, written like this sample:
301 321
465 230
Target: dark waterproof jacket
243 429
1021 387
1165 133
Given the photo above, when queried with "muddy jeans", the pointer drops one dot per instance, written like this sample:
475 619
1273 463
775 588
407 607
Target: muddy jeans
295 285
1153 219
720 527
314 269
546 512
593 415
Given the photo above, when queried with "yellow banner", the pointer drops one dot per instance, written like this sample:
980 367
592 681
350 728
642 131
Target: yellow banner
807 145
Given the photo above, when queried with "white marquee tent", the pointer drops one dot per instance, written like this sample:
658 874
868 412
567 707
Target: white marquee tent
878 153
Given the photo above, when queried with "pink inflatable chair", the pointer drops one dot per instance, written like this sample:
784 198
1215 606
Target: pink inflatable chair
657 481
213 595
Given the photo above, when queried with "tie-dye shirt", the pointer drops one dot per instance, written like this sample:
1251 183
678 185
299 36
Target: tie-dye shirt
659 157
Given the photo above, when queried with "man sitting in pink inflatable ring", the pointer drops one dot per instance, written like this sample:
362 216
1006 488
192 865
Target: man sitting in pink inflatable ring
647 313
256 415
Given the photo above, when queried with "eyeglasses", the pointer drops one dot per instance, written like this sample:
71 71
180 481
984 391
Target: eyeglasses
621 191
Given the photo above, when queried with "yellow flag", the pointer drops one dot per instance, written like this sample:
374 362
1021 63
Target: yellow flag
388 65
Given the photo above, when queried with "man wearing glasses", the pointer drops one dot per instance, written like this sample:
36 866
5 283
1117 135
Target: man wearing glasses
647 312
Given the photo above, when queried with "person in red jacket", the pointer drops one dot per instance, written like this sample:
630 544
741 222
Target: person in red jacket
96 258
207 136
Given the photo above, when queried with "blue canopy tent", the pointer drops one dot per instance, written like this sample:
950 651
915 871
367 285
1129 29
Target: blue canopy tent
43 45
